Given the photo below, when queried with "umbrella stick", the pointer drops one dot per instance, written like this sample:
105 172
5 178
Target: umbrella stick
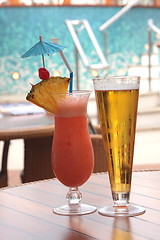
43 60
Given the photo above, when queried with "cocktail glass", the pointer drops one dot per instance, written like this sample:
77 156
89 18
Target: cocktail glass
72 152
117 102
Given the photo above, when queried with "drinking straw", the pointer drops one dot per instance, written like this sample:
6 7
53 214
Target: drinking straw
71 82
69 69
55 40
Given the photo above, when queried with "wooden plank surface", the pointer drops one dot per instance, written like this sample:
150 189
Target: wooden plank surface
26 211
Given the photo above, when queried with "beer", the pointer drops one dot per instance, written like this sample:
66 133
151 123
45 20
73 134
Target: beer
117 113
117 102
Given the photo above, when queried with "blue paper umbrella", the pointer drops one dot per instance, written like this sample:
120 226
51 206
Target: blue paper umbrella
42 48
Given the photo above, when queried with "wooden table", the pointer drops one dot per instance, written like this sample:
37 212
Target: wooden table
26 211
37 132
17 127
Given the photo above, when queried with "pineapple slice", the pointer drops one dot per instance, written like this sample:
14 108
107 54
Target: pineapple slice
44 94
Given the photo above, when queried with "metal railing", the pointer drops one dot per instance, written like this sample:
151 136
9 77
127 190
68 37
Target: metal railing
76 26
151 28
125 9
84 25
113 19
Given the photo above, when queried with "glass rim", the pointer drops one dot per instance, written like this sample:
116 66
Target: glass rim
112 83
118 77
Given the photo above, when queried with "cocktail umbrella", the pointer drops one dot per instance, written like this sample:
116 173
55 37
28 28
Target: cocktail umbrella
42 48
48 48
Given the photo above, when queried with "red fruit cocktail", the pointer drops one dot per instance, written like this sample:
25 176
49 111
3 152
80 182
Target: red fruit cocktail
72 152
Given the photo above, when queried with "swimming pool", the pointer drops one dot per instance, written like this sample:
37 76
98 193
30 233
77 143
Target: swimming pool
21 27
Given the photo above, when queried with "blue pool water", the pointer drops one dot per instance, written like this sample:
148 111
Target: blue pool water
20 29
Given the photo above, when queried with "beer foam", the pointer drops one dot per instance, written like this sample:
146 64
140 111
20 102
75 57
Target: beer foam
116 83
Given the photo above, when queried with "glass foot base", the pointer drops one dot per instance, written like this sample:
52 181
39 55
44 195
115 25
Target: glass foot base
122 211
79 209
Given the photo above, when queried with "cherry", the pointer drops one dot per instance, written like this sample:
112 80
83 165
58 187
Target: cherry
43 73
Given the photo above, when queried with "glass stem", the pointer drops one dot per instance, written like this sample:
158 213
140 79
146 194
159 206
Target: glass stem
120 199
74 197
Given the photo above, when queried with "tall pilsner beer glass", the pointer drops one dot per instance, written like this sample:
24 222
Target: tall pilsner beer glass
117 101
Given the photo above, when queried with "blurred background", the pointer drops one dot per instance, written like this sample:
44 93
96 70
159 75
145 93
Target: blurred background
124 42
